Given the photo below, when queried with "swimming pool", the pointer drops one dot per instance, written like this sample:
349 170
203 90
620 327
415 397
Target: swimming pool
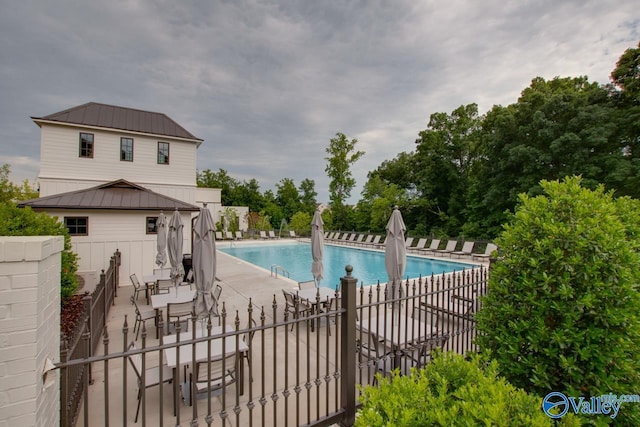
368 266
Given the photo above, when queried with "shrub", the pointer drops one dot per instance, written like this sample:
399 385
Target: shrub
16 221
451 391
562 311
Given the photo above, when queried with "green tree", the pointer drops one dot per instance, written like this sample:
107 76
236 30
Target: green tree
308 196
221 180
248 194
626 76
445 153
10 192
287 197
562 311
301 223
342 156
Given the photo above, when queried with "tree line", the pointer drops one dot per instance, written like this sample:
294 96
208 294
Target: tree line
467 169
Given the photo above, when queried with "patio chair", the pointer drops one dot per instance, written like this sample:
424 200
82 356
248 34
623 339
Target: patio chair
367 241
467 249
272 234
309 284
141 317
178 312
218 235
228 235
239 235
137 288
214 375
408 243
487 252
164 286
433 246
263 235
292 234
421 244
248 338
151 375
451 246
295 306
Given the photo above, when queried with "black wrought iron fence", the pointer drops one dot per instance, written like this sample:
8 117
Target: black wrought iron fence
280 365
81 342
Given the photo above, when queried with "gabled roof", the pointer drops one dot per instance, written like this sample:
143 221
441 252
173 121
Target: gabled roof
122 118
116 195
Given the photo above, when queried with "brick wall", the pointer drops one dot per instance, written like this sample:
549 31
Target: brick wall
29 330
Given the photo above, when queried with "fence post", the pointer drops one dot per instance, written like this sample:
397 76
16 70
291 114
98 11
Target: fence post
348 357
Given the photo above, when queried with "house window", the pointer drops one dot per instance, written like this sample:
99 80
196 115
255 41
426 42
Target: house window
151 225
86 145
163 153
77 225
126 149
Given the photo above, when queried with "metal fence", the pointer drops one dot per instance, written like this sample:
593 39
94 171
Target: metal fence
304 369
79 344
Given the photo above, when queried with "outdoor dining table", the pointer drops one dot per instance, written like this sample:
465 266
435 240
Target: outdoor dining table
151 281
396 331
185 355
177 295
310 295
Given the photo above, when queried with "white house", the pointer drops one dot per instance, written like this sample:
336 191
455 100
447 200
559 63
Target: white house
108 171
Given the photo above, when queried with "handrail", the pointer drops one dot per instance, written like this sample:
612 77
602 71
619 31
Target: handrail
283 272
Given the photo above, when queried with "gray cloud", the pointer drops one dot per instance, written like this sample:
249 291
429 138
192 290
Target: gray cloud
267 84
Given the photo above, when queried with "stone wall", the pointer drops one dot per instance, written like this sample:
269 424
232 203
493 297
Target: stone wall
29 330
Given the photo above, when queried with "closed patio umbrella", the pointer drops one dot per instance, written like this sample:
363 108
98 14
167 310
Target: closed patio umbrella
174 244
204 261
317 247
161 228
395 252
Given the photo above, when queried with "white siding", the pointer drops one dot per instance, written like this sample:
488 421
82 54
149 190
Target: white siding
59 159
122 230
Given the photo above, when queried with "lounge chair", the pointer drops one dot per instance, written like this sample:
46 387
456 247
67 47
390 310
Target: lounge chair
239 235
292 234
368 240
359 239
467 250
228 235
487 252
272 234
218 235
263 234
451 246
408 243
433 246
421 244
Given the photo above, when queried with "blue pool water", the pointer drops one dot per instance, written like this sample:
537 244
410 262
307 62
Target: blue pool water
368 266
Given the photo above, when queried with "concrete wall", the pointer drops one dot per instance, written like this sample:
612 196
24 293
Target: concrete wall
29 330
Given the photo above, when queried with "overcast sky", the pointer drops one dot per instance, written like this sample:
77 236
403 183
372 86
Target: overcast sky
267 84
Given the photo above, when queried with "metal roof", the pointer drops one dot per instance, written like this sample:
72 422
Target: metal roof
113 117
116 195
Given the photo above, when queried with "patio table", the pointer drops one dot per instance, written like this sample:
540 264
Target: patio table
396 331
310 295
183 355
151 281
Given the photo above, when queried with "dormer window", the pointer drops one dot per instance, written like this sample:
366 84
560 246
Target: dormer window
163 153
86 145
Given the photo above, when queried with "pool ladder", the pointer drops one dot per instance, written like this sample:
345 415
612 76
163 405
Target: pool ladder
274 271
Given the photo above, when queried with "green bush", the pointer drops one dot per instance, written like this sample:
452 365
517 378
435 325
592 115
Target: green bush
16 221
451 391
562 310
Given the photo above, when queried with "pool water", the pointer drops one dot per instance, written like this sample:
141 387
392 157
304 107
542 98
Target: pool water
368 266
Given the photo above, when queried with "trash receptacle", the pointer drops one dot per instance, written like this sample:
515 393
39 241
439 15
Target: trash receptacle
187 264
